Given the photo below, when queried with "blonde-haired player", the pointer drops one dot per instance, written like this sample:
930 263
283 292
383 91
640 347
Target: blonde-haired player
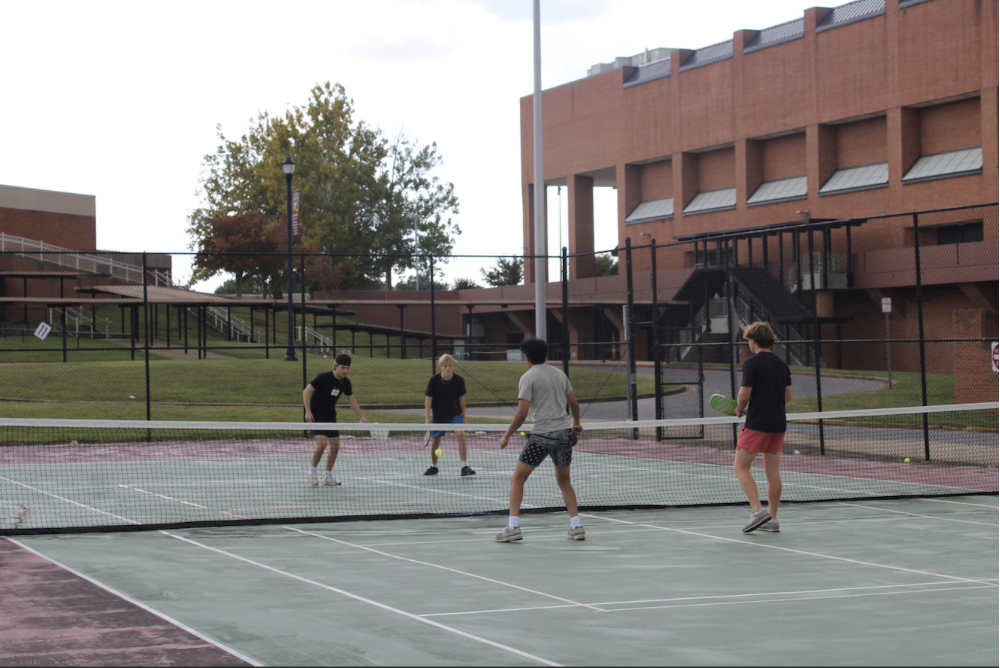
445 398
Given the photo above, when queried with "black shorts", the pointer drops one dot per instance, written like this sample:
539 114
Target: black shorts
557 444
332 433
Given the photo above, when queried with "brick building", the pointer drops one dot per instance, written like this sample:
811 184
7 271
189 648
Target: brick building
871 108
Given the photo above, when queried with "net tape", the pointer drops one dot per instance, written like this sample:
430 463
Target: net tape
379 429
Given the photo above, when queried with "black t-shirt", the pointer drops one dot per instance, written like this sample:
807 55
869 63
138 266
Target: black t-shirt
444 397
767 376
328 390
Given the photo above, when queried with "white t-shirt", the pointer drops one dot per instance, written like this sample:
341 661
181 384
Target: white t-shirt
546 388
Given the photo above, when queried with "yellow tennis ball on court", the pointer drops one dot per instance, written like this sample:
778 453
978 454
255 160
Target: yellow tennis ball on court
907 460
440 452
522 433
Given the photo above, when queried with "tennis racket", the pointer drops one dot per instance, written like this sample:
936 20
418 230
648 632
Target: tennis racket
723 404
427 439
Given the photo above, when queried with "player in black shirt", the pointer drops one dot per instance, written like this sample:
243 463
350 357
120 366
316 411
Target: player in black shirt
445 396
320 399
767 387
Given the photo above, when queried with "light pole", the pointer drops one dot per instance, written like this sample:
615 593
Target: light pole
289 167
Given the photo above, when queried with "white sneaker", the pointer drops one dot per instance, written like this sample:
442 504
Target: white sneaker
312 479
772 526
757 520
329 480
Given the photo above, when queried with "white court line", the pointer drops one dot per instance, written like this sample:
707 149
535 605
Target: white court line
365 600
931 517
61 498
961 503
136 603
788 549
794 600
702 598
450 570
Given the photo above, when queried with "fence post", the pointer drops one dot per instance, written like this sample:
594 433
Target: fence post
302 300
920 330
731 326
565 310
434 323
145 323
633 400
816 338
657 366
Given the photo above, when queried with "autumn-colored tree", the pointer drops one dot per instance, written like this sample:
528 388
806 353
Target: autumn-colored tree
245 245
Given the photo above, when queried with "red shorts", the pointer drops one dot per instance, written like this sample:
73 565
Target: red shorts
760 441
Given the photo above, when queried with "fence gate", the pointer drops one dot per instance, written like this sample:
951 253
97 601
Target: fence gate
680 390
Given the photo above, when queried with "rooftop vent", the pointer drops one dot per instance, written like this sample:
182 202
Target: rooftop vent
638 60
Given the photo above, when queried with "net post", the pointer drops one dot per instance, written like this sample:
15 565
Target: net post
145 322
920 330
657 366
633 400
565 309
433 323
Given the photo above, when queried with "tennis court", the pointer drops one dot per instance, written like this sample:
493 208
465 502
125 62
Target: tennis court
887 582
887 551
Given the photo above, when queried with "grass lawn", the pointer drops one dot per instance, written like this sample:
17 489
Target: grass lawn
105 390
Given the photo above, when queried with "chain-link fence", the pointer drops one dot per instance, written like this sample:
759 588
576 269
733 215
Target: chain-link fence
870 312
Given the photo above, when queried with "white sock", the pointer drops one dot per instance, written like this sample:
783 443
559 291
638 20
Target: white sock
513 522
327 474
312 469
574 522
464 464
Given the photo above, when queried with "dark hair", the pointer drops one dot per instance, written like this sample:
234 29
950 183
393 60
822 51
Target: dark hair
535 350
343 360
761 334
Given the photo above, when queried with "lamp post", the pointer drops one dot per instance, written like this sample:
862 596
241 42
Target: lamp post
289 167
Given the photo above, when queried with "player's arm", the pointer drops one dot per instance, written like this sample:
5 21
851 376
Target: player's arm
788 393
356 407
461 403
427 409
743 398
307 401
574 409
519 417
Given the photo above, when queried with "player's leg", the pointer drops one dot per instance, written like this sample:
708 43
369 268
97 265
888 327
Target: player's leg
562 457
463 454
321 444
744 459
331 455
531 456
772 463
435 444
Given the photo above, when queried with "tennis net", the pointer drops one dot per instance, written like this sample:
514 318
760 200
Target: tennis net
89 475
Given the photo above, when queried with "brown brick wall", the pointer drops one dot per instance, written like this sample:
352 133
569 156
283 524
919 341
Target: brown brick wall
974 379
862 142
784 156
946 127
59 229
717 169
657 180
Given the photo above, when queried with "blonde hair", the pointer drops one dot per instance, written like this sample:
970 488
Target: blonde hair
446 359
761 334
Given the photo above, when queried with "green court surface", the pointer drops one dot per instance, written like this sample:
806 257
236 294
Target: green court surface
876 582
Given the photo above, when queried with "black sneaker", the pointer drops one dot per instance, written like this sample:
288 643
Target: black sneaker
467 471
431 471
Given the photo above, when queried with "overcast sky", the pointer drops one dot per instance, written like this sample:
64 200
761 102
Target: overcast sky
121 99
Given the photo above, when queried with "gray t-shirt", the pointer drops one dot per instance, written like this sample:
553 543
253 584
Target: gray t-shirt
546 388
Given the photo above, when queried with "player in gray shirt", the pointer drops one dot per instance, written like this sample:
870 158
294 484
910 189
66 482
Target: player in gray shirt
544 392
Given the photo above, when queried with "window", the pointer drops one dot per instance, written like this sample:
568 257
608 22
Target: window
960 234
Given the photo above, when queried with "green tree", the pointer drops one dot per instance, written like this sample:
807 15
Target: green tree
465 284
243 245
504 272
359 191
606 265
